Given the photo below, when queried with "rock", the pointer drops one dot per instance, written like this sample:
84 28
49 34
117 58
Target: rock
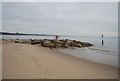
50 45
28 41
75 43
42 42
20 41
47 43
53 43
66 45
16 41
79 45
69 41
35 41
58 45
86 44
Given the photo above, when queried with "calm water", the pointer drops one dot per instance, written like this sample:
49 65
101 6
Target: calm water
107 54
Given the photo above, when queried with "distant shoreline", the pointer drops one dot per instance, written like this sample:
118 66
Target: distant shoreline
7 33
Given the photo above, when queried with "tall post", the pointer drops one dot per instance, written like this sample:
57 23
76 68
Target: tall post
102 40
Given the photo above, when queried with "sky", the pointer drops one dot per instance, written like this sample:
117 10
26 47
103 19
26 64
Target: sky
0 16
60 0
61 18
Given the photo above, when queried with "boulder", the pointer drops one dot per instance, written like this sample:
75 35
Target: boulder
66 45
86 44
28 41
20 41
58 45
16 41
35 41
69 41
78 45
47 43
50 45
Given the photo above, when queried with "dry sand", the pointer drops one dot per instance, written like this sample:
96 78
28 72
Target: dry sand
23 61
0 60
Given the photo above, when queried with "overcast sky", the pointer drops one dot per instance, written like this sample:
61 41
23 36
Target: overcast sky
65 18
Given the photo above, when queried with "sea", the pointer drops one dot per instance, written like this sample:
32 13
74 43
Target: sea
106 53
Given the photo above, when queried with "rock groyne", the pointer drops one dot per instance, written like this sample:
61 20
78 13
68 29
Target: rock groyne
53 43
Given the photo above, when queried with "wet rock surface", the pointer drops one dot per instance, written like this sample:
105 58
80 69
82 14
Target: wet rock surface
53 43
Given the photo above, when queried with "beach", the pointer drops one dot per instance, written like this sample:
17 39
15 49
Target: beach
25 61
0 60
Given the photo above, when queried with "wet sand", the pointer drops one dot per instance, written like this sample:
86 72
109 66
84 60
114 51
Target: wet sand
24 61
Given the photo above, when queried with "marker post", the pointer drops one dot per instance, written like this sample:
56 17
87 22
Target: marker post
102 40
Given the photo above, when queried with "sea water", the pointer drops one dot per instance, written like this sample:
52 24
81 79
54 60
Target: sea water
107 53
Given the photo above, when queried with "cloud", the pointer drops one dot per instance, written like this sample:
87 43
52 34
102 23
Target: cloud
78 18
0 17
60 0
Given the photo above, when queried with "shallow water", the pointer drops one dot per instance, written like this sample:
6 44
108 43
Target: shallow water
95 55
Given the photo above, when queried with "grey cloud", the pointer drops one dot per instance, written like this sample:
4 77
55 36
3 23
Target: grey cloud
79 18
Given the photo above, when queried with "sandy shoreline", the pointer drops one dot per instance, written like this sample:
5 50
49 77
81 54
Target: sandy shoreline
0 60
24 61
